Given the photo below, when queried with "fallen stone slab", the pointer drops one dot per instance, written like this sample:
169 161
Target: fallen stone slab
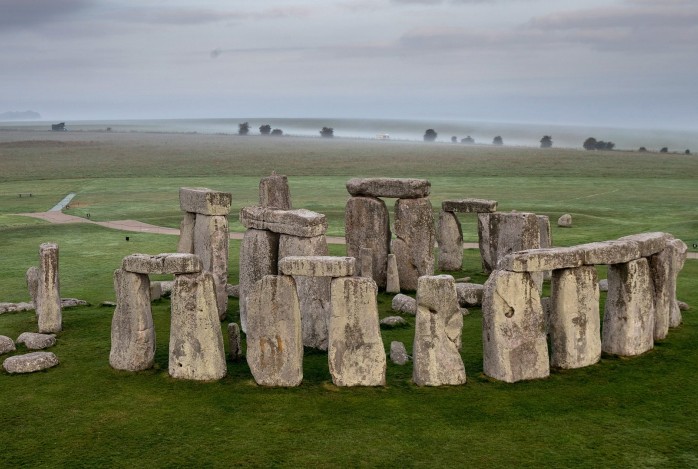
469 205
167 263
469 294
301 222
541 260
204 201
404 304
6 344
16 307
34 341
30 362
609 252
233 291
393 321
108 304
318 266
398 353
399 188
73 302
649 243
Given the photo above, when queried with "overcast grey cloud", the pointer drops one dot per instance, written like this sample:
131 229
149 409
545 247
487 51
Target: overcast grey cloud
617 62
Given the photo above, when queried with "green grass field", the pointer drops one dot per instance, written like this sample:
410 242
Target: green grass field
638 412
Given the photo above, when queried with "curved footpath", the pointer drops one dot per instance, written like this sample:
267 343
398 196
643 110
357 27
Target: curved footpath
140 227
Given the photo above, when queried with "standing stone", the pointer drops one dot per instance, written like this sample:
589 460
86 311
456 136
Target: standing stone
32 277
234 346
398 353
313 292
565 221
413 248
508 233
483 237
366 263
513 328
211 244
449 237
664 269
356 355
628 321
573 320
546 238
437 333
186 233
274 192
196 340
392 284
367 225
274 340
678 259
48 296
132 331
259 256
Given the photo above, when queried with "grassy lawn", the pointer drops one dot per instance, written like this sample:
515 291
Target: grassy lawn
638 412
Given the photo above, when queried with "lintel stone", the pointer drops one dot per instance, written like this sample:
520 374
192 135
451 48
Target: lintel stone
610 252
399 188
649 243
318 266
541 260
168 263
301 222
204 201
469 205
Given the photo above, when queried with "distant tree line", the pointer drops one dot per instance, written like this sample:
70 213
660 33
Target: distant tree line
592 144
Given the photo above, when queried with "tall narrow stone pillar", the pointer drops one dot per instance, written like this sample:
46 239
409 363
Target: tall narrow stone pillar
367 225
449 237
413 248
259 256
48 295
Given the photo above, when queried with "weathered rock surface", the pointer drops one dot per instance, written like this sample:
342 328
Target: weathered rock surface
367 225
609 252
274 340
392 284
204 201
649 243
16 307
574 324
259 256
541 260
469 294
300 222
6 344
437 335
211 245
404 304
393 321
398 188
507 233
565 221
155 291
32 277
234 343
413 248
366 263
132 331
469 206
546 238
483 237
663 273
30 362
398 353
167 263
679 250
603 284
513 328
628 322
196 341
318 266
683 306
356 355
48 296
34 341
449 237
186 233
274 192
233 291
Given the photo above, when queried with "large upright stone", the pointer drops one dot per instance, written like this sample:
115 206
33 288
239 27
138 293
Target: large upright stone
186 233
356 355
204 201
679 257
483 237
32 277
628 321
48 295
413 248
313 292
398 188
367 225
449 237
664 269
274 341
259 256
300 222
196 340
211 245
573 321
132 331
546 238
437 334
392 282
513 328
274 192
507 233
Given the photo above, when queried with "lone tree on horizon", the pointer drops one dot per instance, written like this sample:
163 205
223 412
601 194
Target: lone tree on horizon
265 129
497 140
327 132
469 140
244 128
589 144
664 150
277 132
546 141
430 135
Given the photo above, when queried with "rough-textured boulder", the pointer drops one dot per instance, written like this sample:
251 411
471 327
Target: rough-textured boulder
34 341
6 344
234 344
392 284
609 252
356 355
573 323
259 256
48 295
132 331
393 321
469 206
186 233
389 187
367 225
274 341
541 260
679 250
233 291
167 263
507 233
317 266
274 192
437 334
565 221
469 294
413 248
683 306
449 237
16 307
211 245
404 304
32 277
300 222
30 362
628 321
366 262
398 353
204 201
603 284
513 328
196 340
663 274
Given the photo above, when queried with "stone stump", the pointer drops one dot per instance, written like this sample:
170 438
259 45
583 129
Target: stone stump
274 340
48 296
449 237
392 284
628 322
259 256
437 336
413 248
356 355
513 328
274 192
367 225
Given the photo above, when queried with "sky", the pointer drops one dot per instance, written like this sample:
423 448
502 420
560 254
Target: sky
623 63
